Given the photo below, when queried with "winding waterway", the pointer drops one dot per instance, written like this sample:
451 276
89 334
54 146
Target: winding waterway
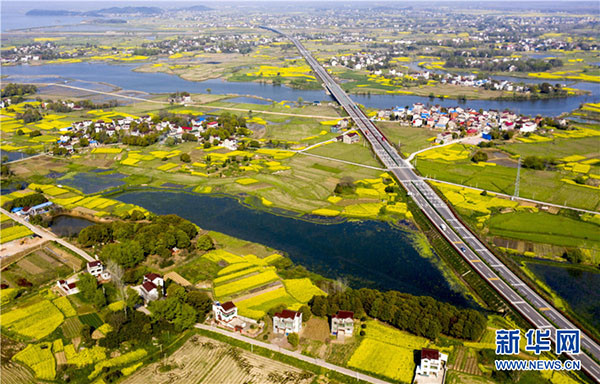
123 76
363 253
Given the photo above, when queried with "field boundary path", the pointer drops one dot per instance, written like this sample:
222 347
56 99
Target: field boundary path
296 355
45 234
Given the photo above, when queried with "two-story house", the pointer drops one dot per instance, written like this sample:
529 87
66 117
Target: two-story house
224 312
287 322
431 364
342 323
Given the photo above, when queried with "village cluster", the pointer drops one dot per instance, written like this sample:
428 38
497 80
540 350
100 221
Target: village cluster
140 127
456 120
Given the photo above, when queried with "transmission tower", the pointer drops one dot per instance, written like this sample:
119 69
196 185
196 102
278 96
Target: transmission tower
517 182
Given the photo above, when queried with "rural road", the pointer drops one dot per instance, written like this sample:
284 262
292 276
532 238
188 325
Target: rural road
311 360
45 234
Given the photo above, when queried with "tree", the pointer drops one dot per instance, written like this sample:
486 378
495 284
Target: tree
479 156
127 254
116 273
306 313
133 298
201 302
319 306
205 243
293 339
185 157
90 292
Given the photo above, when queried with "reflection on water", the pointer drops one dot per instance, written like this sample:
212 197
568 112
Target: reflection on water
580 288
364 253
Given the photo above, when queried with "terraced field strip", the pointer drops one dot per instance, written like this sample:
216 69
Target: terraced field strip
15 374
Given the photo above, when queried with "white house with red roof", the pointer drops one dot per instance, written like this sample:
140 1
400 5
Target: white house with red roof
155 279
342 323
287 321
152 287
432 364
225 312
68 288
351 138
95 268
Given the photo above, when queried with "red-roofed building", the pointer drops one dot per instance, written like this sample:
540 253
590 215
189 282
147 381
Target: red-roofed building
149 291
342 323
67 288
287 322
225 312
432 363
351 138
155 279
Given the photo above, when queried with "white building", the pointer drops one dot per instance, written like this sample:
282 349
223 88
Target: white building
95 268
287 322
155 279
529 126
68 288
351 138
342 323
431 363
151 287
225 312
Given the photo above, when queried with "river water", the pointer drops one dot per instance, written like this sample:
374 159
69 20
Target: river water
123 76
580 288
364 253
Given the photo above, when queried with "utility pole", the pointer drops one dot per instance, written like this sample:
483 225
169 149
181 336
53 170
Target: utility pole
517 182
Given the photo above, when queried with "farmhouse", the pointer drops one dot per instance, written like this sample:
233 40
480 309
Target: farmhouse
342 323
67 288
431 363
224 313
95 268
155 279
351 138
287 322
149 291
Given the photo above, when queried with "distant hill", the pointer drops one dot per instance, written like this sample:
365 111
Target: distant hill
100 12
52 12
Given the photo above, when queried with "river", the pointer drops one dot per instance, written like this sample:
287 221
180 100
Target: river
123 76
364 253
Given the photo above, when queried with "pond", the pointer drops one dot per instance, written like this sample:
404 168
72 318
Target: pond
123 76
92 182
66 226
362 253
14 155
580 288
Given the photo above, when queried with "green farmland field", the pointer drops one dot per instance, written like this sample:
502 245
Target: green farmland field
541 227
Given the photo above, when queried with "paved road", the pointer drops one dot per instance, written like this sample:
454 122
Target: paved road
527 302
299 356
44 233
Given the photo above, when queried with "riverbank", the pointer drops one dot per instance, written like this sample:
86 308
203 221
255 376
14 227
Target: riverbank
123 76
